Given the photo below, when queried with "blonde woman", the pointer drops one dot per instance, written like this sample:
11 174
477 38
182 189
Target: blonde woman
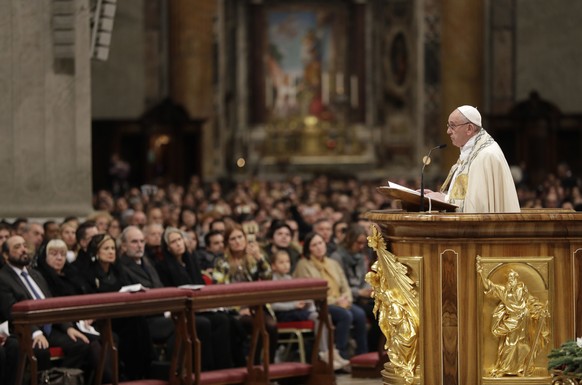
179 267
244 261
67 234
344 313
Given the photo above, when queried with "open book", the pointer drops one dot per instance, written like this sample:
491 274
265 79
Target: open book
400 187
4 332
85 327
191 287
133 288
411 198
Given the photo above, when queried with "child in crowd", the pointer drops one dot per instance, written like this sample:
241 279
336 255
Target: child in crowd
299 310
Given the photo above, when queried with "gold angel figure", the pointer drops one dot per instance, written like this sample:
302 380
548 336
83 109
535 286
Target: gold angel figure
396 308
519 321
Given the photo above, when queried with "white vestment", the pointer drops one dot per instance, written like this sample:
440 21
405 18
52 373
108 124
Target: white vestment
481 181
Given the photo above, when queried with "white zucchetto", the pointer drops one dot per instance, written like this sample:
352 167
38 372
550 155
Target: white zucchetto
471 114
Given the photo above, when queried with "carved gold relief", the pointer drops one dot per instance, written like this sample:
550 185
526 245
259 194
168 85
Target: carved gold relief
396 308
515 319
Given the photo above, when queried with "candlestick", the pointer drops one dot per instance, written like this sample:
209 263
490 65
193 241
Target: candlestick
354 91
339 83
268 92
325 88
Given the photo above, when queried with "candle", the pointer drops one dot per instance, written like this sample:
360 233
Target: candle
268 92
325 88
339 83
354 91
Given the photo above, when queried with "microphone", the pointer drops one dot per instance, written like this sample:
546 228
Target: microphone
426 162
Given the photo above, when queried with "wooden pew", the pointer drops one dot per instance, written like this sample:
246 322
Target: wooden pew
256 295
370 365
183 304
104 306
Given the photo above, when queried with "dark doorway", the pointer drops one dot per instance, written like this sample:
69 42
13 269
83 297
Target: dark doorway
161 148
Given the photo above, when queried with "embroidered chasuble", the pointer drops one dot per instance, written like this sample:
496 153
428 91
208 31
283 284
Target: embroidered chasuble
481 181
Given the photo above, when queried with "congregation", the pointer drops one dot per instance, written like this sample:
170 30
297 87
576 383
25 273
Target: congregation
204 234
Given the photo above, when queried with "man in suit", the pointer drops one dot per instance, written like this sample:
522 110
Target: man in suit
140 270
214 241
153 242
84 233
19 283
33 235
132 250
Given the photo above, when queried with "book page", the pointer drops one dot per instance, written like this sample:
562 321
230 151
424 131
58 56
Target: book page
87 328
400 187
191 287
133 288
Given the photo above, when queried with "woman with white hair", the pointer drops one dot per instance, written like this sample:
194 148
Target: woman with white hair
62 277
65 280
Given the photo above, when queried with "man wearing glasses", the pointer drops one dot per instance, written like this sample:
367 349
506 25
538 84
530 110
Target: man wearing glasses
480 181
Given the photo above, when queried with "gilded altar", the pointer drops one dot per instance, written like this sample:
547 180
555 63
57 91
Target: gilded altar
475 298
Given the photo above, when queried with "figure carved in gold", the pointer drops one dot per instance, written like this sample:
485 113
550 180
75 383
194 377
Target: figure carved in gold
519 321
401 331
396 308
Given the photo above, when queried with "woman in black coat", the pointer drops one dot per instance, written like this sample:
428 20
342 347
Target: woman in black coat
65 280
179 268
106 275
62 277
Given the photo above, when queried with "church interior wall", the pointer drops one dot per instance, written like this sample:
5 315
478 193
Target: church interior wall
45 115
401 120
548 52
118 85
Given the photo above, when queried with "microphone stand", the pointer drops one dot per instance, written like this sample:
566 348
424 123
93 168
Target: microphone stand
425 162
422 184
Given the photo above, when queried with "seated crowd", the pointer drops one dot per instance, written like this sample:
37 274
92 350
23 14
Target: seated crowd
175 237
199 235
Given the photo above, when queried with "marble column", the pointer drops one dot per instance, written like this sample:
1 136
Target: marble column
462 58
45 111
192 60
191 24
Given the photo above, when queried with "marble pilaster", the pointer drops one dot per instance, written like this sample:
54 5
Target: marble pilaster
191 50
192 37
462 60
45 114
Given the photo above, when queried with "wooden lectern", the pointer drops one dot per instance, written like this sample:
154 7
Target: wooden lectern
476 298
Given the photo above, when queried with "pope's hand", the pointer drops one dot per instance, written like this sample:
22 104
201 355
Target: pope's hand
437 195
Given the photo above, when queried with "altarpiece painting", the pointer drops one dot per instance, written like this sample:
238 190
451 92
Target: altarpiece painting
306 91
